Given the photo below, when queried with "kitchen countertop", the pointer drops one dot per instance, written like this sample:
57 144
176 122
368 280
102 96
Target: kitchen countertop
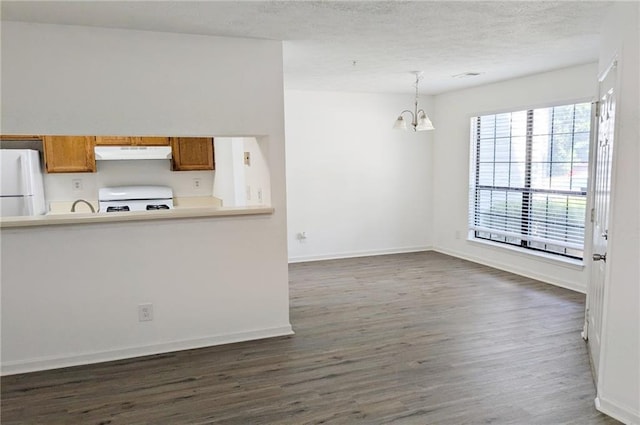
64 207
184 208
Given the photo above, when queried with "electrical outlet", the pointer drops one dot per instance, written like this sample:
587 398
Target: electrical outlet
197 183
457 234
248 192
259 194
76 185
145 312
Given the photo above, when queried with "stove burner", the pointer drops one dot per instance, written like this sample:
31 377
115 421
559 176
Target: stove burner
158 207
135 198
116 209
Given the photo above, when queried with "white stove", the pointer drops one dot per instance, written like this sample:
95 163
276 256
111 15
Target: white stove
135 198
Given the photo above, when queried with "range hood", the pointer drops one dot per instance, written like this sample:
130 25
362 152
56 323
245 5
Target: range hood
112 153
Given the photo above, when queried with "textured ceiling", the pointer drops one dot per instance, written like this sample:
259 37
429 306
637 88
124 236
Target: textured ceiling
386 39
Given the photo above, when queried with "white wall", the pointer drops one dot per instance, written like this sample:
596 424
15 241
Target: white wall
70 294
256 173
237 183
451 165
354 185
224 186
58 186
619 372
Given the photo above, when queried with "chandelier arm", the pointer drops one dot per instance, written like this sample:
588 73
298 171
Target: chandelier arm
411 112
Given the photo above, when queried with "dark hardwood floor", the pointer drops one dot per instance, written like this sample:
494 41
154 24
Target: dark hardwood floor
405 339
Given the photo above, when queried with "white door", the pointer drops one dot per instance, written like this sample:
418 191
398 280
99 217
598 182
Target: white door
600 216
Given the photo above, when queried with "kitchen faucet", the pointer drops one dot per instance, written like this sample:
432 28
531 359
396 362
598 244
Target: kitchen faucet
73 207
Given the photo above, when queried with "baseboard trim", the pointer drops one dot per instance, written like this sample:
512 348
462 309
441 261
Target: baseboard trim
33 365
355 254
516 270
623 414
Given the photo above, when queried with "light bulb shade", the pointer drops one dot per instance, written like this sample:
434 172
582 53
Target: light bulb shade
400 124
424 123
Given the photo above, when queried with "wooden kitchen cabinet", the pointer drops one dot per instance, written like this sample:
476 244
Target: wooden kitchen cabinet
132 141
192 153
69 154
113 140
151 141
21 137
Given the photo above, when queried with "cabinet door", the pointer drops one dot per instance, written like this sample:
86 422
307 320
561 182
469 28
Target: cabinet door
25 137
151 141
192 153
69 154
113 140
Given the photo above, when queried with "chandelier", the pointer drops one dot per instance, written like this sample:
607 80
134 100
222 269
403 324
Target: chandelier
419 119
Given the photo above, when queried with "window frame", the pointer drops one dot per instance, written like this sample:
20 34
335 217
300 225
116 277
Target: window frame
525 245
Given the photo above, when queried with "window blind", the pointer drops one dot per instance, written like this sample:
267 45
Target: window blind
529 178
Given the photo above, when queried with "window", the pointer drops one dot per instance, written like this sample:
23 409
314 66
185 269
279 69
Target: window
529 175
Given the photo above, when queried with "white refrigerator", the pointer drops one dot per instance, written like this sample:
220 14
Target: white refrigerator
21 183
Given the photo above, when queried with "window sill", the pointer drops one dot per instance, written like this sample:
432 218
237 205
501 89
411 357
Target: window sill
531 254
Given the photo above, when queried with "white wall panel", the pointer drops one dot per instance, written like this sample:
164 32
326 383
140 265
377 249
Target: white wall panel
355 186
70 294
619 381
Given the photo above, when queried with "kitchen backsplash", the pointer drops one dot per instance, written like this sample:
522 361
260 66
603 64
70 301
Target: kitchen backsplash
63 187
